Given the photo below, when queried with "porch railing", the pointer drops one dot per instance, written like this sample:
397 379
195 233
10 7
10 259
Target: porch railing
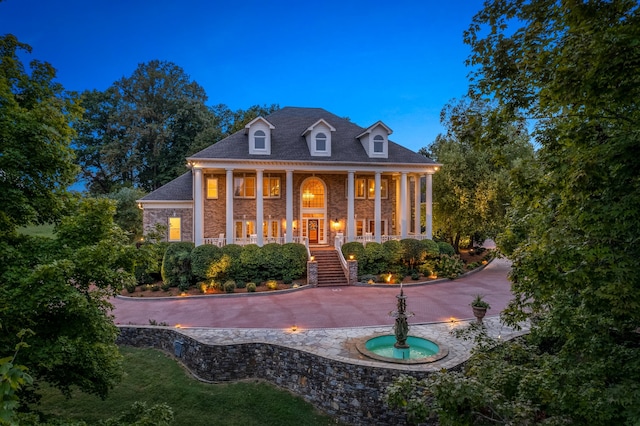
221 241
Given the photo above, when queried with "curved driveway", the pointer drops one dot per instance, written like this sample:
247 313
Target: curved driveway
325 307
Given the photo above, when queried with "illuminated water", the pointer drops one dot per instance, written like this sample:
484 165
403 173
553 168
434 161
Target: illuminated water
418 347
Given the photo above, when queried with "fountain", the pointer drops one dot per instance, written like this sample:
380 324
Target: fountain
400 347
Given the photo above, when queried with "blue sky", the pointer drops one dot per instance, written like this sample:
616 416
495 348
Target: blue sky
399 62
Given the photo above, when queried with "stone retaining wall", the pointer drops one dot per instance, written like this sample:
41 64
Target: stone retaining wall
347 392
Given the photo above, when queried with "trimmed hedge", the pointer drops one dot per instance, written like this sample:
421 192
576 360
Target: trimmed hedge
202 257
184 265
356 249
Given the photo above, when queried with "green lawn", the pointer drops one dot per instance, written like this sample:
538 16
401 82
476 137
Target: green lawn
152 376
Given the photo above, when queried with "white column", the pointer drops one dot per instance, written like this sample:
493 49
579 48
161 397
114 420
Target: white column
428 206
289 212
259 208
351 195
416 207
403 205
198 207
229 202
377 209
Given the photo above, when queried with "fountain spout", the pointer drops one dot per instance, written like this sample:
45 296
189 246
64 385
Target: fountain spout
401 327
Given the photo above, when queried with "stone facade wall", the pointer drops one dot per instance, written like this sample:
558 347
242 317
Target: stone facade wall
347 392
152 216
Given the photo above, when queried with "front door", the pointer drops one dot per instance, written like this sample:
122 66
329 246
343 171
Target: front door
312 231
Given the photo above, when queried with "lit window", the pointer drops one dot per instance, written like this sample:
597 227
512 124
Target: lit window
321 142
313 194
384 186
174 229
244 187
271 187
260 139
212 187
378 144
361 184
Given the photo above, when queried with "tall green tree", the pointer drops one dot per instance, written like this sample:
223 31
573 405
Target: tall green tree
57 288
574 67
480 150
36 159
139 131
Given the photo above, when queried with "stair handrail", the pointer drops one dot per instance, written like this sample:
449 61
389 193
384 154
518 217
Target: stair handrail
337 243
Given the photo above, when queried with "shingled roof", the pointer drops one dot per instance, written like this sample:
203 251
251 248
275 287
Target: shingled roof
179 189
288 142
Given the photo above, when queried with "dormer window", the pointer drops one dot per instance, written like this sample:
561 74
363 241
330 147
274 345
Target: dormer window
375 140
318 137
378 144
259 139
258 132
321 142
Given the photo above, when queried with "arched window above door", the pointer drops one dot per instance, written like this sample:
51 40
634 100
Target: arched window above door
313 195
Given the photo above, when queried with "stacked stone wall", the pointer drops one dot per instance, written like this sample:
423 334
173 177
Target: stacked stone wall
350 393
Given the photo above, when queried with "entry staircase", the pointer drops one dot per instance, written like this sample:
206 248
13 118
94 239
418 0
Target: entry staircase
330 272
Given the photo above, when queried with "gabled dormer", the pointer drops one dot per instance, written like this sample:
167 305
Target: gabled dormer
375 140
318 137
259 136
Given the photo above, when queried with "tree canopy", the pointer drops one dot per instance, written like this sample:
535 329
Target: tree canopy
573 68
36 159
480 150
139 131
53 291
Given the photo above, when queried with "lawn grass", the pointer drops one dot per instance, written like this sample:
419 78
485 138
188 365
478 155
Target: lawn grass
154 377
38 230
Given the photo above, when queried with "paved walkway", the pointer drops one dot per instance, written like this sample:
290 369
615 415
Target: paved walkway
330 320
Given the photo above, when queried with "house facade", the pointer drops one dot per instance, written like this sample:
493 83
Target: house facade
298 175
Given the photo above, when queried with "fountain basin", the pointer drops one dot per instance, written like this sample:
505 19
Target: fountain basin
421 351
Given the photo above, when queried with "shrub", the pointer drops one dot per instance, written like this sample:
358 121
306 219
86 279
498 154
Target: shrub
251 287
148 261
230 286
234 267
415 276
427 268
202 257
449 266
393 254
413 253
241 284
356 249
176 265
294 260
272 284
431 249
251 261
446 248
220 269
130 287
375 259
368 277
274 263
